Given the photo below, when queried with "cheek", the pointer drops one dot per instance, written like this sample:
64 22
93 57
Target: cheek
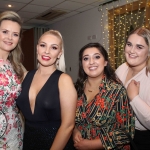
16 41
126 49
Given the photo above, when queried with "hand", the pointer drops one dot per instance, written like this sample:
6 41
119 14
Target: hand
77 137
84 144
133 89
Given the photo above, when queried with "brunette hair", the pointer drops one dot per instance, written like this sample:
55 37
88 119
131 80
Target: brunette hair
82 76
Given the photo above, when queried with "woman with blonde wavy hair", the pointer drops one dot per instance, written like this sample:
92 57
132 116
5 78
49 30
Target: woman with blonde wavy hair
11 76
135 75
48 98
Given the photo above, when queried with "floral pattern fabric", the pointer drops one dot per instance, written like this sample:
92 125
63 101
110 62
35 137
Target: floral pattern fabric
106 116
11 132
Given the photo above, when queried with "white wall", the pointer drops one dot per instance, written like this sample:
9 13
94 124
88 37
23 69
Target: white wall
76 29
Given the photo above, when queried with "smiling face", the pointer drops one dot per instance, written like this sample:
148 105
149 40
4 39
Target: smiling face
136 51
9 36
48 50
93 62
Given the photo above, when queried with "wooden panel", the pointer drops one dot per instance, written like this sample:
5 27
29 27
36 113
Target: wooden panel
27 44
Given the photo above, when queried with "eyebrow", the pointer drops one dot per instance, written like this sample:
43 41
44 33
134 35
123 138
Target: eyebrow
94 54
136 44
8 30
46 43
139 45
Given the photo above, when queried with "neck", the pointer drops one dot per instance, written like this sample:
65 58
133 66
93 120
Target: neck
4 55
45 70
135 70
92 84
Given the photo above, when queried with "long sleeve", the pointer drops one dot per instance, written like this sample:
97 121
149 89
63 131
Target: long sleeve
106 116
113 135
141 103
142 113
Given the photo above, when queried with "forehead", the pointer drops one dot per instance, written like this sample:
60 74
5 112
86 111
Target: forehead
49 38
135 38
91 51
10 25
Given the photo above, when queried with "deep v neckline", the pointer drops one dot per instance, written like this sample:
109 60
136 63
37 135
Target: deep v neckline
32 113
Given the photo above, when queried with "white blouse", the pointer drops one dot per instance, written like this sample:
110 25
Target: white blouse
141 103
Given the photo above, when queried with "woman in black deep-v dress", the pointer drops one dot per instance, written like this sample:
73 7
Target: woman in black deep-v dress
48 99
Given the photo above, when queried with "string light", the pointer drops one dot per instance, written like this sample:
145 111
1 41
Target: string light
117 22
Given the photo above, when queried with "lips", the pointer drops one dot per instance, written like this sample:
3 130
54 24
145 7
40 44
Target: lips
46 58
8 43
132 56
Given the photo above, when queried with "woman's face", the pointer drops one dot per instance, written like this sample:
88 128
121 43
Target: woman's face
93 62
136 51
9 36
48 50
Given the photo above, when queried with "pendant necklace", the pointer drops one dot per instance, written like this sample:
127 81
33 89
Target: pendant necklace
89 90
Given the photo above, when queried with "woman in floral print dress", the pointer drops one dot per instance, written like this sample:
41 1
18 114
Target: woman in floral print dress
11 75
103 110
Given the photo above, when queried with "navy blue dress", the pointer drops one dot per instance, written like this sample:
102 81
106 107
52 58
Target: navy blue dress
42 125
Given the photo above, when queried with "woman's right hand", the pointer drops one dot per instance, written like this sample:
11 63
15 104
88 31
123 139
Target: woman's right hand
77 137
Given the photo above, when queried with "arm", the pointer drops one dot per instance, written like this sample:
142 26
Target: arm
86 144
112 135
68 99
141 109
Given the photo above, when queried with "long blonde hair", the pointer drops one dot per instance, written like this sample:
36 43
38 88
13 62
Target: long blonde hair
16 56
60 63
145 33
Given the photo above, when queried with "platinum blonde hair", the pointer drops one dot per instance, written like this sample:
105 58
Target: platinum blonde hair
60 63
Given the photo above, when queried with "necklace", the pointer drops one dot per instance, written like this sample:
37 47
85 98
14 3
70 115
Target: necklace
89 90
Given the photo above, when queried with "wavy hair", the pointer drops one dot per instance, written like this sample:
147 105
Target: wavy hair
16 56
82 76
60 63
145 33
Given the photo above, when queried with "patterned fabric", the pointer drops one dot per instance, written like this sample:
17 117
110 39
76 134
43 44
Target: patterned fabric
11 134
106 115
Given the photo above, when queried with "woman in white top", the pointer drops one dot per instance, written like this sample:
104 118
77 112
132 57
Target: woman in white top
135 75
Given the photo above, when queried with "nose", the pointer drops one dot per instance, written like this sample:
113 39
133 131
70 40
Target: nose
132 49
10 36
91 61
47 51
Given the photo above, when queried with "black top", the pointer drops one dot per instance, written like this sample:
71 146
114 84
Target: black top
47 103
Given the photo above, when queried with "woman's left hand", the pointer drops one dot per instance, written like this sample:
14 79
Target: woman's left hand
84 144
133 89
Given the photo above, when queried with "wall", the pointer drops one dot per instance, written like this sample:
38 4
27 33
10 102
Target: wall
75 31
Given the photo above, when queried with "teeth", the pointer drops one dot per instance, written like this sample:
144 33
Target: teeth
133 56
92 68
8 43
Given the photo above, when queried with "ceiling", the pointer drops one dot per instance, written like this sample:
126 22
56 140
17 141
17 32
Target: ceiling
29 10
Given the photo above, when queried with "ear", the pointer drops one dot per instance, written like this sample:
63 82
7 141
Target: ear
59 55
106 63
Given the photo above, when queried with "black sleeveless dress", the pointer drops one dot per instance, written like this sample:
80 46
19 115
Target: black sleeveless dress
42 125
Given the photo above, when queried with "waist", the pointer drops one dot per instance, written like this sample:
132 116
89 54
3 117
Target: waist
46 124
142 132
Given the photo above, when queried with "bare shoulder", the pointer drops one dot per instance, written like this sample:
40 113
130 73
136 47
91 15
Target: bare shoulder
65 79
66 83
